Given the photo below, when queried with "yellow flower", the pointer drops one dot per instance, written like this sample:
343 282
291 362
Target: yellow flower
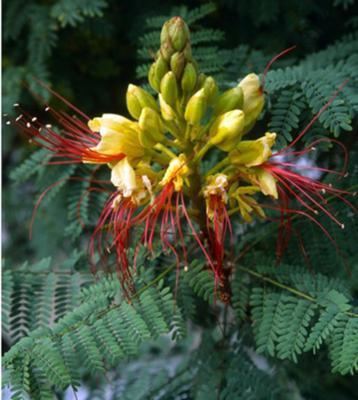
216 185
253 99
253 152
176 172
247 204
227 129
267 183
130 183
124 178
118 135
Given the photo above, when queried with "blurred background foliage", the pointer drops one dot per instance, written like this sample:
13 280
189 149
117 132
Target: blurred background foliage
89 50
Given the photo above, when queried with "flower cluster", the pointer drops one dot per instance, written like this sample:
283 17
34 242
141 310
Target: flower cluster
160 181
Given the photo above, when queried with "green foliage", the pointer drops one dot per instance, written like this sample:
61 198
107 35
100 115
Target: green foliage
312 83
293 312
103 329
43 22
74 12
37 295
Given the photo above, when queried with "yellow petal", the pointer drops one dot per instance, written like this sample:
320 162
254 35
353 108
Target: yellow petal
253 152
124 178
267 183
118 135
175 172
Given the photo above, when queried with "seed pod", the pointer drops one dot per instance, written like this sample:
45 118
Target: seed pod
151 129
230 100
211 89
196 108
169 88
189 78
227 130
177 64
137 99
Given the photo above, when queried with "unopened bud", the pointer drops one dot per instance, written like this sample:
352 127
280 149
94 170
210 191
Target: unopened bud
201 80
151 129
137 98
167 50
164 34
167 112
189 78
196 108
169 88
253 99
227 130
188 53
211 89
178 32
230 100
177 64
158 69
152 78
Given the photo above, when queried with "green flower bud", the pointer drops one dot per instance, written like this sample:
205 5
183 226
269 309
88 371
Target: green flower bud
167 50
158 69
152 79
169 88
201 80
167 112
227 130
151 128
178 32
253 99
196 108
164 34
229 100
177 64
137 99
187 52
211 89
189 78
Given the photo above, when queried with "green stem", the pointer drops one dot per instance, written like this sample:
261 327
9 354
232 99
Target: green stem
187 133
163 149
218 166
202 152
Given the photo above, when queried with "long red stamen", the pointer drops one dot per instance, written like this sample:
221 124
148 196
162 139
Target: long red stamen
269 64
72 145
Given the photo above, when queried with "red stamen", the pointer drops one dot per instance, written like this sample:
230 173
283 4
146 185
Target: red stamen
269 64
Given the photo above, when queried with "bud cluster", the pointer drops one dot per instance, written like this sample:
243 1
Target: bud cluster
189 117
